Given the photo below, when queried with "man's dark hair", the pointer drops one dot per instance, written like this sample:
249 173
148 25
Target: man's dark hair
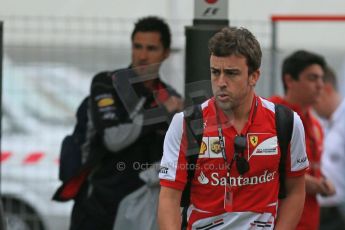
236 41
330 77
154 24
298 61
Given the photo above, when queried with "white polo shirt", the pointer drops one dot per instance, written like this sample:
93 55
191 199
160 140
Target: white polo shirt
333 157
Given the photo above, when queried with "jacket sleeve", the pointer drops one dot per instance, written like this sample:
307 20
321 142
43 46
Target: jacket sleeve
298 162
109 116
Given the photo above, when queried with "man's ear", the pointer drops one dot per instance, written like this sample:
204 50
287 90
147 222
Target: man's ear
254 77
288 80
166 53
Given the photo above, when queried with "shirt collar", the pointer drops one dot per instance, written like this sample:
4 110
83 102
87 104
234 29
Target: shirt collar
224 119
338 112
294 107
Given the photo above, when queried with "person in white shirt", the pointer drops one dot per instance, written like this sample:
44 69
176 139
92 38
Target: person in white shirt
331 107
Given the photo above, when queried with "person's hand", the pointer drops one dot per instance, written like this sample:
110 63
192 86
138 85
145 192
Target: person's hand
320 186
173 104
327 188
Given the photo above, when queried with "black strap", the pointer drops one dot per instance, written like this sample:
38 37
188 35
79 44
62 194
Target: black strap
284 125
194 130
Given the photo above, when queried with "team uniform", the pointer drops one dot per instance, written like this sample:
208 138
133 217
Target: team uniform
119 130
254 195
314 142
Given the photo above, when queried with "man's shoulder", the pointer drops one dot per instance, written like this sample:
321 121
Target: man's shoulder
106 75
169 88
83 107
101 77
277 100
316 123
337 115
267 104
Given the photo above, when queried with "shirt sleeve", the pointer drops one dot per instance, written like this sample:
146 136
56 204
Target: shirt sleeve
173 172
298 160
109 116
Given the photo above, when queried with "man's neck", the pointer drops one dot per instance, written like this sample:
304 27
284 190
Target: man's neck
294 101
150 84
239 116
335 102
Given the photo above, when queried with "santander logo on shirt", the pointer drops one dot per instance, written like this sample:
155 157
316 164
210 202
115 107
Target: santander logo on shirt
203 179
216 180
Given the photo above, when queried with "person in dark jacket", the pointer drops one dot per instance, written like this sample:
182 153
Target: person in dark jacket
2 217
128 112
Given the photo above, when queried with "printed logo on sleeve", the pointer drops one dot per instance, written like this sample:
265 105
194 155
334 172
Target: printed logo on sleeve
109 116
301 160
163 170
105 102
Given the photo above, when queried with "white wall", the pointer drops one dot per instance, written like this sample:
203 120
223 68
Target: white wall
317 36
100 8
290 34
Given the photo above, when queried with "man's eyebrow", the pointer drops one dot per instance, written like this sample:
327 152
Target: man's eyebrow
137 44
315 75
231 69
152 46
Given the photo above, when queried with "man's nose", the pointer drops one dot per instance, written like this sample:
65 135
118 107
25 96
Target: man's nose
320 83
221 80
143 55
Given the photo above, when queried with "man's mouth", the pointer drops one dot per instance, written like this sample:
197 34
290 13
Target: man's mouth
223 97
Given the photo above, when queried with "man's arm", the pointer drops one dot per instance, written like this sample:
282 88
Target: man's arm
169 216
173 104
321 186
109 117
291 208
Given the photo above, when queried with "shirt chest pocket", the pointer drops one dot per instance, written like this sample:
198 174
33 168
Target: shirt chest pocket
263 151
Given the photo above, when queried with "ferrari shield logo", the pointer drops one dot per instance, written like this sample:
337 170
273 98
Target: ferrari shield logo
254 140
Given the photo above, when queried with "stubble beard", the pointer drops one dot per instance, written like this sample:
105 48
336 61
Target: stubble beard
233 103
147 71
227 107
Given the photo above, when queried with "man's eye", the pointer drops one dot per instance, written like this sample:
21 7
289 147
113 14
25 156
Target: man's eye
215 72
152 48
313 77
231 73
136 46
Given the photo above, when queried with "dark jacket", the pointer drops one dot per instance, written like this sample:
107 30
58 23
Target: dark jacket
125 129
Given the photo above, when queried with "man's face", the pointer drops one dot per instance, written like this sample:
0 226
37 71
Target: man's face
307 88
148 52
231 83
323 105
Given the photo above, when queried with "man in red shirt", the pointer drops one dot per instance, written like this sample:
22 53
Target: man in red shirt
225 195
302 76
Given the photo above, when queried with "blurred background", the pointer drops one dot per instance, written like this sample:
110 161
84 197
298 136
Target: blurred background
52 49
